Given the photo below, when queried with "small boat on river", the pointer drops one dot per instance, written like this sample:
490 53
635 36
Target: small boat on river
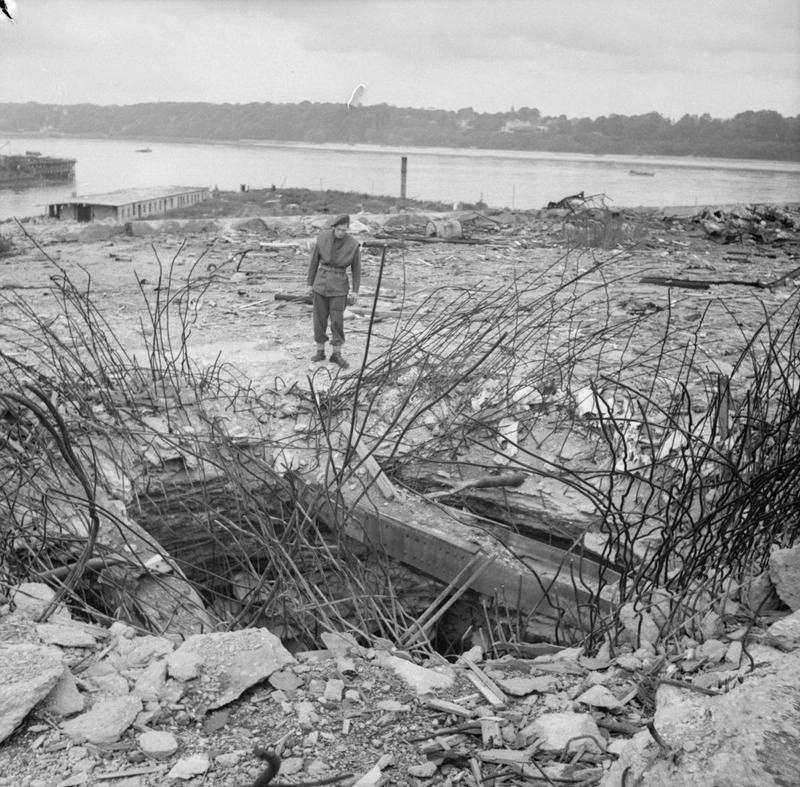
641 172
144 150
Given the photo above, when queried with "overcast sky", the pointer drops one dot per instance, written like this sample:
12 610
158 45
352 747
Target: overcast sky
573 57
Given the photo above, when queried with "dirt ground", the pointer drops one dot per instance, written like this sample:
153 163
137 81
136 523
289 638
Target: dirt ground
241 263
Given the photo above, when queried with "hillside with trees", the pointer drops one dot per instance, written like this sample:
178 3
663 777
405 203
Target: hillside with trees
763 134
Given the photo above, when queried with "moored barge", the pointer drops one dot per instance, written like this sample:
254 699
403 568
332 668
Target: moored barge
32 168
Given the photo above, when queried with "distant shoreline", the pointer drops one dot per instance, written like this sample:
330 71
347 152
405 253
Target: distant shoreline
753 134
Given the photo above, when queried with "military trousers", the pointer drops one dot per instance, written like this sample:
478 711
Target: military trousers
329 307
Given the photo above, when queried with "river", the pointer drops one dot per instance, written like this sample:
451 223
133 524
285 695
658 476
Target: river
501 178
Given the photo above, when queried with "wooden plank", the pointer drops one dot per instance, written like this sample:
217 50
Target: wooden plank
488 694
452 593
450 708
375 471
668 281
506 756
698 284
485 679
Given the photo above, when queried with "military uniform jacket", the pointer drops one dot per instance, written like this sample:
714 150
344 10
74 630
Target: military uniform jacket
327 269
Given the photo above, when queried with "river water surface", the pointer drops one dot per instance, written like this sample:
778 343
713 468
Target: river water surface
513 179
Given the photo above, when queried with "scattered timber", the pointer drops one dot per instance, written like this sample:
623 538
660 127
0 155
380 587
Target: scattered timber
287 296
511 478
697 284
428 239
790 275
383 244
361 311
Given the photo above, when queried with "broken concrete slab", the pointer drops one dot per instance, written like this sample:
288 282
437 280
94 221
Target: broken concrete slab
189 767
104 722
523 686
787 631
229 662
151 681
32 598
765 750
567 731
158 744
64 699
67 636
422 679
784 571
600 697
28 673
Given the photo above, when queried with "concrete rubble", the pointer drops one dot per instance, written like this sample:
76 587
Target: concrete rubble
85 704
122 702
760 223
784 571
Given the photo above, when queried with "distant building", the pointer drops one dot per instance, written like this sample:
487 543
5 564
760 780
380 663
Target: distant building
127 204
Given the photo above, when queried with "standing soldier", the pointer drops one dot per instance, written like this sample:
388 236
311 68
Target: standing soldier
334 252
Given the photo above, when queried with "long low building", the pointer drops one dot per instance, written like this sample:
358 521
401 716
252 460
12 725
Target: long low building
127 204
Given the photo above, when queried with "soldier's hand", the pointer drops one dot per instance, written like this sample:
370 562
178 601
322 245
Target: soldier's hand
352 299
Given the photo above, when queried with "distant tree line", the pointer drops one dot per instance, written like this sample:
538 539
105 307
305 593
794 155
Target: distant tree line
764 134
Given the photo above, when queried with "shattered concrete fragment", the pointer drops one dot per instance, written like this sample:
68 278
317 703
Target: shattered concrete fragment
307 716
341 644
556 730
345 666
32 598
64 699
758 593
523 686
229 662
147 648
784 571
65 635
765 750
150 682
286 681
422 679
425 771
105 722
334 689
111 685
188 767
230 760
600 697
157 744
787 630
27 675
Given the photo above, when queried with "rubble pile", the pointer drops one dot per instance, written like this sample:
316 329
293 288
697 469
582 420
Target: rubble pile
548 504
762 224
176 452
111 703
